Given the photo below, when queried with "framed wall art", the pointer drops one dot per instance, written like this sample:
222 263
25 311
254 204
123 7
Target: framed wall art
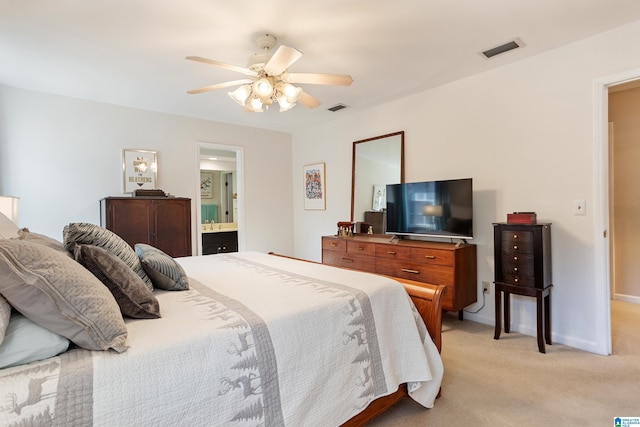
314 187
206 185
139 170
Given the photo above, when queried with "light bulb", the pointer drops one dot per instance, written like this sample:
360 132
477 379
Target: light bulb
263 88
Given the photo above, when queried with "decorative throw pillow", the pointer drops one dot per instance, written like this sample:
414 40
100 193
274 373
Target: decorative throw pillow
8 230
61 295
82 233
26 342
5 315
25 234
164 271
131 293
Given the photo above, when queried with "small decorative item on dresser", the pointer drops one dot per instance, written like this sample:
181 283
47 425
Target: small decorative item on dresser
345 228
521 218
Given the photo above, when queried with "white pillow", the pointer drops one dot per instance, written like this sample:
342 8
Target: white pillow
8 230
26 342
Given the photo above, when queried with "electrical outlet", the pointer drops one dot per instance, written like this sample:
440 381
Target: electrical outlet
486 287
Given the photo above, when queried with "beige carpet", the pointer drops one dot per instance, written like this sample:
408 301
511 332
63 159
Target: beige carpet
509 383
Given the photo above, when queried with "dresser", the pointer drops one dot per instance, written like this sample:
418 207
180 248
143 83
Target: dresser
428 262
522 256
163 222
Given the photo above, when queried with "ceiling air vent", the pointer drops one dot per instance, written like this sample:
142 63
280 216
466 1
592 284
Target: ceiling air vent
501 49
337 107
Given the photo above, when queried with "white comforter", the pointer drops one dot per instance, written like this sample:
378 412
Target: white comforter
259 340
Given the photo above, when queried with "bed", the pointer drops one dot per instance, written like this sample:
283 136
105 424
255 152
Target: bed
255 339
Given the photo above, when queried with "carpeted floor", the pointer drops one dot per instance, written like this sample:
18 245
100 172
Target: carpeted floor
509 383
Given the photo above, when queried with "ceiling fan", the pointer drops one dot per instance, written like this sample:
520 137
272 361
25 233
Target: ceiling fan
268 81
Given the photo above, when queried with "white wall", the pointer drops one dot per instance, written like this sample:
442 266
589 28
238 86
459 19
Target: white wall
524 133
62 155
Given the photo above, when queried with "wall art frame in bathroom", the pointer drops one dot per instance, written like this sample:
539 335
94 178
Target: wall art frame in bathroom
139 170
206 185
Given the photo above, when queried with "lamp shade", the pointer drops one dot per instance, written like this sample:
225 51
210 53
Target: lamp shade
9 208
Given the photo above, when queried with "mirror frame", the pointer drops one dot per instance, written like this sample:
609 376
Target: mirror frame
353 162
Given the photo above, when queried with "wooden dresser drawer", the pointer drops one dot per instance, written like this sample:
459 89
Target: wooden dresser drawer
520 280
361 248
438 263
517 237
434 274
331 244
519 268
432 256
393 251
356 262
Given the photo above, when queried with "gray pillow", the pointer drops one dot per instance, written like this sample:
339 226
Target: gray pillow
131 293
81 233
164 271
61 295
25 234
5 315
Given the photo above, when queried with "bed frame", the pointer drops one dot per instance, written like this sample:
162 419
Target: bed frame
428 301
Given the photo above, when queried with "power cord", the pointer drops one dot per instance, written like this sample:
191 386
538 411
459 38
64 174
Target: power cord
481 307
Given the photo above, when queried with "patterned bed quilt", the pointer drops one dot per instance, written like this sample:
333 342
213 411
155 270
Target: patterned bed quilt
258 340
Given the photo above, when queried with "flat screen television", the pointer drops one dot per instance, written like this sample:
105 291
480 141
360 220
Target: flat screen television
431 209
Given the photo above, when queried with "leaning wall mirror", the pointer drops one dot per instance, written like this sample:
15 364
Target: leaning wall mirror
377 162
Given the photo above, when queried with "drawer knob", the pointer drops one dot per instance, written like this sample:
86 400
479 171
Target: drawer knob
515 258
391 252
406 270
515 246
347 260
515 280
360 248
515 269
515 236
430 257
333 245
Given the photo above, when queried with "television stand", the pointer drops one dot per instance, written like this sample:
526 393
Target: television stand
461 242
437 263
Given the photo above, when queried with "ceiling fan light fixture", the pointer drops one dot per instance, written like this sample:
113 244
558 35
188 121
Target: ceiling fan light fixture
285 104
241 94
291 92
254 106
263 87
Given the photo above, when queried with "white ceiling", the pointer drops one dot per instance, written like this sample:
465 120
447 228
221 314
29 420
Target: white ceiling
131 52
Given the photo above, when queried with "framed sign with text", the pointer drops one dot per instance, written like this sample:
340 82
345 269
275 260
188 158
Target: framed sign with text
139 170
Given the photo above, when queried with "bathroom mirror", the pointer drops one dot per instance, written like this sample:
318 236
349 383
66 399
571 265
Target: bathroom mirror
377 162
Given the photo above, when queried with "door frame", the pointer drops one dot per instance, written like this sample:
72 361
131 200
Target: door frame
239 152
602 238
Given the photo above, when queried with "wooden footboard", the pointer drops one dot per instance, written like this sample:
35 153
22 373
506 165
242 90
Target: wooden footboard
428 301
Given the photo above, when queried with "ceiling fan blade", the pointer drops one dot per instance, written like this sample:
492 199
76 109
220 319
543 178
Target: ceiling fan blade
281 60
242 70
219 86
308 100
320 79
